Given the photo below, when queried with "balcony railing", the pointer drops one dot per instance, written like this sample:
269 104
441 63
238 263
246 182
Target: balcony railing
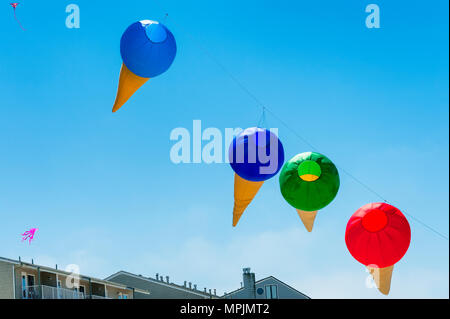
48 292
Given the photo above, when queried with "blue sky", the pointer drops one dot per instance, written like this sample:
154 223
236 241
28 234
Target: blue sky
104 194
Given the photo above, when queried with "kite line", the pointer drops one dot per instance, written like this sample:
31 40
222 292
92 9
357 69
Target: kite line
264 108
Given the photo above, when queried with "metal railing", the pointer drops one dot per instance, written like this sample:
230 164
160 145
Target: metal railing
31 292
48 292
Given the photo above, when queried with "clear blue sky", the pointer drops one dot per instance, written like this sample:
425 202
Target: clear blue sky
101 188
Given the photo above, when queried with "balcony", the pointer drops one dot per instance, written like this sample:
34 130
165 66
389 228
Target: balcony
48 292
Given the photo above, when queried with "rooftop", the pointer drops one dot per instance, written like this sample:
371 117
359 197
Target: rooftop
262 280
161 281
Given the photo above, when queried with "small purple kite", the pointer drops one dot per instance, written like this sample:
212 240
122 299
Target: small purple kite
29 234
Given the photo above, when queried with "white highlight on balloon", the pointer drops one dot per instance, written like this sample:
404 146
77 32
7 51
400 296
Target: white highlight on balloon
147 22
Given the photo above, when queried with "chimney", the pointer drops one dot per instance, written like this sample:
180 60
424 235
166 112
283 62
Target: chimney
167 279
184 283
195 287
215 292
210 291
32 261
204 290
249 283
56 266
157 276
190 285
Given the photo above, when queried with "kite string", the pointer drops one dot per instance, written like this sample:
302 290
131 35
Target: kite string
300 137
15 17
262 119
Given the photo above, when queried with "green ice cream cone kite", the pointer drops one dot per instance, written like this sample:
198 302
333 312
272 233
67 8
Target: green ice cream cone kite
309 182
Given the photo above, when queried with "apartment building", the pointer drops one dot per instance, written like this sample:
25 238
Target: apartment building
22 280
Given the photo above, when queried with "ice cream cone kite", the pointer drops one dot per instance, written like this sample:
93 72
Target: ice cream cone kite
309 182
255 155
378 236
148 49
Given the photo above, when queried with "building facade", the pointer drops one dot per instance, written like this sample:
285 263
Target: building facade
21 280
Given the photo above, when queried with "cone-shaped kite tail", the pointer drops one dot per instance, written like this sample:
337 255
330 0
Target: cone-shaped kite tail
382 278
307 219
148 49
255 156
128 84
378 236
309 182
244 192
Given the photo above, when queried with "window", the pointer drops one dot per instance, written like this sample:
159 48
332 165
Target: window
30 280
271 292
